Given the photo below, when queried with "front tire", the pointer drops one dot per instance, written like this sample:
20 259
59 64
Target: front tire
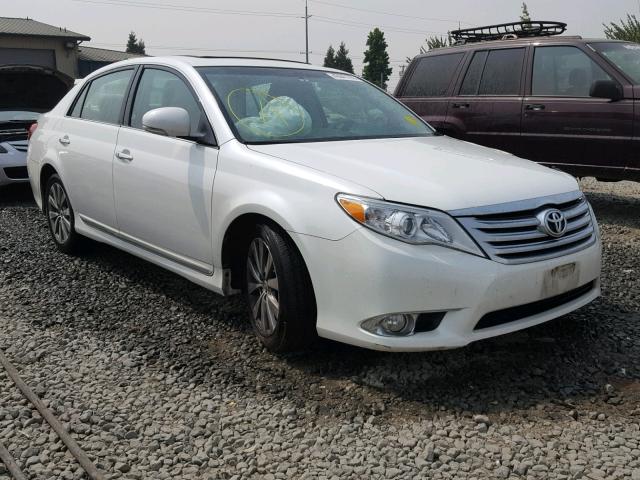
60 216
279 292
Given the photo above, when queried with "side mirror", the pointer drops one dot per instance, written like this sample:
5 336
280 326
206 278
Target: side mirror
606 89
168 121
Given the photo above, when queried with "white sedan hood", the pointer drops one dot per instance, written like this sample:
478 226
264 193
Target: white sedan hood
437 172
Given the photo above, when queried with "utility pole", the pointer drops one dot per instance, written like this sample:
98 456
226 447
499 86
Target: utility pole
306 29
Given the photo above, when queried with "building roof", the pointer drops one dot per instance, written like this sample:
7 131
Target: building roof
93 54
30 27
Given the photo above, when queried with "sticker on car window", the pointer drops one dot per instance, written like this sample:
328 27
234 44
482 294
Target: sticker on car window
343 76
629 46
410 119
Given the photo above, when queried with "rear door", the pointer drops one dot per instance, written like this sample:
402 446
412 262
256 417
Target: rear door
429 85
87 140
487 106
562 125
163 185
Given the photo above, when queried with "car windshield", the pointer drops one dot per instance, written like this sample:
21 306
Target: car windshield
18 116
625 56
281 105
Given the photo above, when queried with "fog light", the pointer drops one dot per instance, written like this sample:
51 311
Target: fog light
397 324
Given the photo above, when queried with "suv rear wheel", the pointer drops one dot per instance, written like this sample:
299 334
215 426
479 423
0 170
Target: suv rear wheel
60 217
279 292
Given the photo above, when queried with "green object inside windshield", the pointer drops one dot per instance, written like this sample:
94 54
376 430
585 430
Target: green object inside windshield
277 105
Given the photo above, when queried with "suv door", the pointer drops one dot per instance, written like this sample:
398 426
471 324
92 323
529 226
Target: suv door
429 84
562 125
87 140
163 185
487 106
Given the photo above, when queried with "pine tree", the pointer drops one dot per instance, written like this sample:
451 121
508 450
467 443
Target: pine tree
134 45
525 17
342 60
330 58
629 30
376 59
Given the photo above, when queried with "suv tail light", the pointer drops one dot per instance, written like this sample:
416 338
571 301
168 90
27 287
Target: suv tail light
32 130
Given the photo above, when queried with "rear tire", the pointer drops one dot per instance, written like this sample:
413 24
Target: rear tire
60 216
279 293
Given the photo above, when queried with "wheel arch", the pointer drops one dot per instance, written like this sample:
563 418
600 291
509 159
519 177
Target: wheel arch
236 240
46 172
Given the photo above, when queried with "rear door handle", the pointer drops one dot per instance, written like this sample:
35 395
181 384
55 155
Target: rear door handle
461 105
535 107
64 140
124 155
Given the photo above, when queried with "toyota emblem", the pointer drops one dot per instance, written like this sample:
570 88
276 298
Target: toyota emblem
553 222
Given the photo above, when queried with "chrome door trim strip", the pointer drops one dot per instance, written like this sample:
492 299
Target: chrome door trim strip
161 252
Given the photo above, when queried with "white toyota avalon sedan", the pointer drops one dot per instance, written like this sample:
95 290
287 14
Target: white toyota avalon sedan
331 206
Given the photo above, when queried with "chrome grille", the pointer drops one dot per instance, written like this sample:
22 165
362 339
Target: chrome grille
509 233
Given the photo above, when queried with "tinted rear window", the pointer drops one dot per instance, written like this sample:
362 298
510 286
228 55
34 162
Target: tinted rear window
432 76
497 72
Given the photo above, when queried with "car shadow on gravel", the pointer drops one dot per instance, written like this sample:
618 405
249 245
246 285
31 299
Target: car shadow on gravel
16 195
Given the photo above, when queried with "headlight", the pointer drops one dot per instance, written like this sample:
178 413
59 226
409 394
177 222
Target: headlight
418 226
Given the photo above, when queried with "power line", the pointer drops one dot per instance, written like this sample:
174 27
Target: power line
185 8
390 14
349 23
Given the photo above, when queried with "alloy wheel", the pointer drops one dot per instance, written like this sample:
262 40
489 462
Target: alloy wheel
262 286
59 212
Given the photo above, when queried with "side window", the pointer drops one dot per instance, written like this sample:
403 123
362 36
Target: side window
565 72
432 76
159 88
105 96
471 83
502 72
77 107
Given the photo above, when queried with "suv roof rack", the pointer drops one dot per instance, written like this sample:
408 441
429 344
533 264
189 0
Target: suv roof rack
507 31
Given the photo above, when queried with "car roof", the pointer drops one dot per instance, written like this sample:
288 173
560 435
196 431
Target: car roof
195 61
516 42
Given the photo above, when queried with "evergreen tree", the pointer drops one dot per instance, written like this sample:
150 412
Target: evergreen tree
525 17
330 58
376 59
134 45
342 60
629 30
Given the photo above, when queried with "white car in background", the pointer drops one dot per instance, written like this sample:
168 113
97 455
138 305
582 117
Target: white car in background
14 132
335 209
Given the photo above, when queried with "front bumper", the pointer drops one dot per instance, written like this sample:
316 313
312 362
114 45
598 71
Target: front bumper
13 163
366 275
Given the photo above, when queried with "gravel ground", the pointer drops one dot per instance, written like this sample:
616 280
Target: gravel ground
157 378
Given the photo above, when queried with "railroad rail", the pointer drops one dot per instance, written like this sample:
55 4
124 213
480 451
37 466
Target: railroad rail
75 450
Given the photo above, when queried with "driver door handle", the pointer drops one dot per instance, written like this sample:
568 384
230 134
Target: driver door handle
124 155
461 105
535 107
64 140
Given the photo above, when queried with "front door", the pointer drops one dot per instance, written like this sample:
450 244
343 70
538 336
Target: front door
163 185
86 143
563 125
486 109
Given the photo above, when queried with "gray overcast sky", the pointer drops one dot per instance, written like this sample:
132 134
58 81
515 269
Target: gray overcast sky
175 26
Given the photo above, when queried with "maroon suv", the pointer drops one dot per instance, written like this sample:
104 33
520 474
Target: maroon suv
562 101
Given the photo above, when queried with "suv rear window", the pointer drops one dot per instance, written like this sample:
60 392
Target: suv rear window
432 76
496 72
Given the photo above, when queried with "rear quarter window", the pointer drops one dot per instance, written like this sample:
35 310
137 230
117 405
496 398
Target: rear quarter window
432 76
